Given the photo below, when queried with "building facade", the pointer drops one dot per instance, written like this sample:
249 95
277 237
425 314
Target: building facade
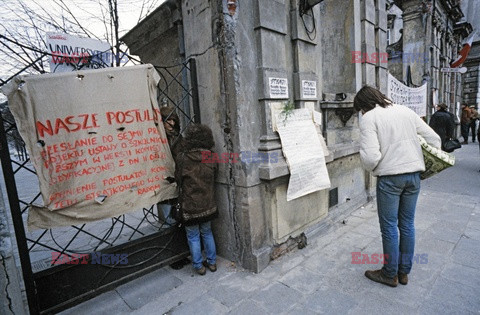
239 46
432 34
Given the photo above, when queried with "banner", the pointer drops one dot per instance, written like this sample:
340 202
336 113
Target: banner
413 98
96 141
71 53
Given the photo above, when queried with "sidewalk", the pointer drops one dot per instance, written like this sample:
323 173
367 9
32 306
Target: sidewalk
321 278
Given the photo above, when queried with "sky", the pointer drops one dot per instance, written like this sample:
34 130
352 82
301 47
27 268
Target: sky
15 23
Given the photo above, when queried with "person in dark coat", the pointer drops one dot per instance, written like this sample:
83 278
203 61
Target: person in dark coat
443 123
171 123
196 180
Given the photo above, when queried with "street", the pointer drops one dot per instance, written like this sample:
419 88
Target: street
321 277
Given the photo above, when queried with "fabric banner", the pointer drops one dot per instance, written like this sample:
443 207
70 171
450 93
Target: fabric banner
304 154
96 141
413 98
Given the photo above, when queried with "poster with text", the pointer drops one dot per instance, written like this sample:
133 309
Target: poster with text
69 53
96 141
303 152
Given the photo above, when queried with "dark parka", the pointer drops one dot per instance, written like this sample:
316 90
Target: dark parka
443 124
197 179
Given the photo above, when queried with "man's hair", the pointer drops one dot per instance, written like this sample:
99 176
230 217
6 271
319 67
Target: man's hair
368 97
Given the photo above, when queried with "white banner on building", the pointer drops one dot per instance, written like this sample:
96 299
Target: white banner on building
95 142
413 98
71 53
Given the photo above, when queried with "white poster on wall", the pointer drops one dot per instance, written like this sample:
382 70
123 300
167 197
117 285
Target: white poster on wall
304 155
413 98
278 87
309 89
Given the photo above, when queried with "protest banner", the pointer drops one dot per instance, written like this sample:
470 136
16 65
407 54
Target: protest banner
96 141
413 98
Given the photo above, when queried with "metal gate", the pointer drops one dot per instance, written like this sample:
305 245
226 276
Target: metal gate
62 267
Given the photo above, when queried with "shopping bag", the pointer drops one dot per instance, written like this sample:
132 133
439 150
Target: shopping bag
435 159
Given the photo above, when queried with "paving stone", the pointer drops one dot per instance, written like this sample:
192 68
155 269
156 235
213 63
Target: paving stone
106 303
472 233
374 303
467 252
427 244
202 305
140 291
320 264
236 287
368 230
302 279
328 300
277 298
453 297
248 307
463 274
442 233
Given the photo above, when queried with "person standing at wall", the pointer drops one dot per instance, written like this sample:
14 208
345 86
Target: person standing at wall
465 122
171 124
443 123
473 122
196 180
390 149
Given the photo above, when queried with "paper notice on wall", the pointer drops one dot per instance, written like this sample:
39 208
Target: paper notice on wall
96 141
278 87
309 89
303 152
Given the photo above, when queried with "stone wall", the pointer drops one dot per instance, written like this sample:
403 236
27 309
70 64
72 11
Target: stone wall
238 48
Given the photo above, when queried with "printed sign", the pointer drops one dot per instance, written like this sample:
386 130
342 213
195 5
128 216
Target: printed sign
278 87
413 98
71 53
305 156
98 153
309 89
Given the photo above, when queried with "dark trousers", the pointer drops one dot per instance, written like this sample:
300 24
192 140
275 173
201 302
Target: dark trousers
464 129
473 127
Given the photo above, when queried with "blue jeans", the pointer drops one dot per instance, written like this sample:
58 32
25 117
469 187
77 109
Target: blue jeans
193 237
396 202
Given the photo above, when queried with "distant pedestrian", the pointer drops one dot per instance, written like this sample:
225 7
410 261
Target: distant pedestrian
465 122
473 122
390 149
443 123
197 195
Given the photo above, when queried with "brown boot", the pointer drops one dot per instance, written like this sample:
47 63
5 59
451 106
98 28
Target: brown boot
378 276
402 278
212 268
201 271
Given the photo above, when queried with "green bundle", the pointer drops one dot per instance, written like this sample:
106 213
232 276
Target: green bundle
435 159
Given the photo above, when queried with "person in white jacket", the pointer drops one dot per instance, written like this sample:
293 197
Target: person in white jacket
389 148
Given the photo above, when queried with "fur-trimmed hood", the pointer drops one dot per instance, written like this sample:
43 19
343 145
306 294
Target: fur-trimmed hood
198 136
168 112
